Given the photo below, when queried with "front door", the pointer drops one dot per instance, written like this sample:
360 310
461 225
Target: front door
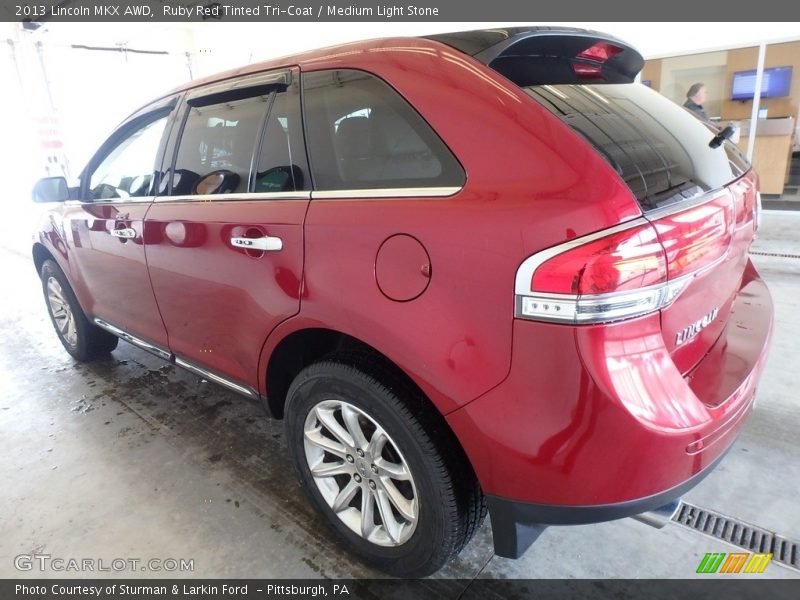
227 262
107 228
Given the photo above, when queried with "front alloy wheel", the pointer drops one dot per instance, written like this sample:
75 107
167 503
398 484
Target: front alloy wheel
61 311
360 473
82 339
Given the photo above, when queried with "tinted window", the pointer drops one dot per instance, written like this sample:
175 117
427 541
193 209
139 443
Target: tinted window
657 147
128 170
216 147
362 134
282 163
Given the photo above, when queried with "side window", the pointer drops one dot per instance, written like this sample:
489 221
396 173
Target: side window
216 147
363 135
128 170
282 164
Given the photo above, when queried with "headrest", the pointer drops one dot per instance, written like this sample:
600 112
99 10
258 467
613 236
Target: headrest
353 138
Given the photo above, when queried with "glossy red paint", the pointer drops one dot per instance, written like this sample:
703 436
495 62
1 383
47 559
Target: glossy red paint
111 272
546 413
219 303
455 339
601 414
716 287
402 268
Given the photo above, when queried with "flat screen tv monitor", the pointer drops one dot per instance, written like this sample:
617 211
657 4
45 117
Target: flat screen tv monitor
774 84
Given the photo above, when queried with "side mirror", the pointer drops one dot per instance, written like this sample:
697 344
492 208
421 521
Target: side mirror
51 189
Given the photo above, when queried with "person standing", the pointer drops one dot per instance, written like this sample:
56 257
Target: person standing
695 97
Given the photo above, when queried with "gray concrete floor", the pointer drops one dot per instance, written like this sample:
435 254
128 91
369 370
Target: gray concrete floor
132 458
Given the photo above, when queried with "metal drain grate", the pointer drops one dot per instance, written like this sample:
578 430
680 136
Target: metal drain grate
739 533
778 254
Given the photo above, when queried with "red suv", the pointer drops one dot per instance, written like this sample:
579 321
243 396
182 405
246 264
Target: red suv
470 271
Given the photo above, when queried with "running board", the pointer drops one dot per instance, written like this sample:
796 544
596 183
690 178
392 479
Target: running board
132 339
169 357
236 387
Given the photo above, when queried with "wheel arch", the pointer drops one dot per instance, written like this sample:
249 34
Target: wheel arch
303 347
40 254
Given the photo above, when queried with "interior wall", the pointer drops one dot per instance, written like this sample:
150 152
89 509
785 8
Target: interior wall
680 72
778 55
652 73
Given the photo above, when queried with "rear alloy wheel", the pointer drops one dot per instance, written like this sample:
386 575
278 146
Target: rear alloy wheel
360 472
82 339
380 465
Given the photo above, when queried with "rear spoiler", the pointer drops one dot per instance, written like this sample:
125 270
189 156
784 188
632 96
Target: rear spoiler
549 55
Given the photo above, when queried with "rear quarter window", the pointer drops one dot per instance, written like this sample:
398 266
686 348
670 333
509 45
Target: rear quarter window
658 148
363 135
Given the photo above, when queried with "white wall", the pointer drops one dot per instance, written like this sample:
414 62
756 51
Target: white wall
93 90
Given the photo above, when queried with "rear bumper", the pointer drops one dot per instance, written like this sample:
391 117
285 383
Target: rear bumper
515 525
596 422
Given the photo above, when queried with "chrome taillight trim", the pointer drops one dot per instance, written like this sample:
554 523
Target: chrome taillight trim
585 309
604 308
600 308
522 283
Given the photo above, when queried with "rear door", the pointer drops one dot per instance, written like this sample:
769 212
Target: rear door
227 257
106 226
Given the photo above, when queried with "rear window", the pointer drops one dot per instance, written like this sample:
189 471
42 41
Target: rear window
658 148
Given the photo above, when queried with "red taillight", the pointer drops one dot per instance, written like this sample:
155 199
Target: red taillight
601 52
629 271
597 54
627 260
588 71
697 237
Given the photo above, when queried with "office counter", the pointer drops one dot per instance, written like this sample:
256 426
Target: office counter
772 152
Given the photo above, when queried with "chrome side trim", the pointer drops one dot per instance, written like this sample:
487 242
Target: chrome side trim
412 192
166 355
244 196
522 283
242 389
129 200
423 192
132 339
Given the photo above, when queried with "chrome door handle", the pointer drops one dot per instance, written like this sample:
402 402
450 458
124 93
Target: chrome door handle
266 243
126 233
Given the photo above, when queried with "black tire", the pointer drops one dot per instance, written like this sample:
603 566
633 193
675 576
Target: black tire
87 341
451 505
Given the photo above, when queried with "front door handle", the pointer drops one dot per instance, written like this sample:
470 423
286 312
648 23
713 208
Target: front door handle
266 243
127 233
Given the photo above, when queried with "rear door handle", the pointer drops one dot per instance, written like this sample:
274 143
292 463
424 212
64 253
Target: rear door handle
127 233
266 243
